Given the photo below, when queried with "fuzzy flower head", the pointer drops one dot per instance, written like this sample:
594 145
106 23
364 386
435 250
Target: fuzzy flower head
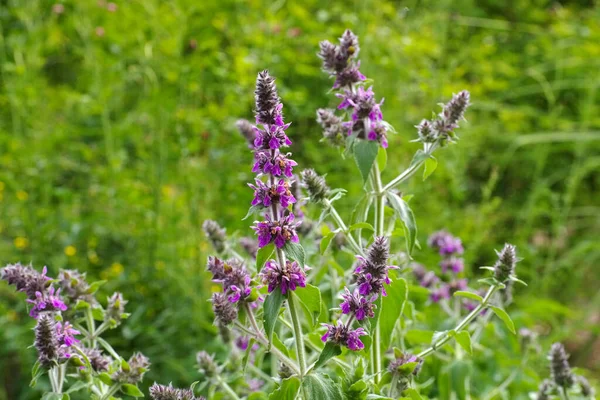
249 245
544 389
333 129
372 271
454 110
315 185
225 311
559 366
246 129
278 231
452 264
288 278
206 363
133 372
339 61
440 293
74 286
399 364
367 118
48 301
233 276
445 243
115 309
66 334
46 340
504 267
279 193
25 279
343 335
98 361
215 234
274 163
358 305
268 105
162 392
441 129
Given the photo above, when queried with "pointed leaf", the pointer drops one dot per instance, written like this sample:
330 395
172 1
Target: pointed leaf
295 251
329 351
361 225
504 317
407 217
464 339
131 390
310 298
326 241
318 386
381 158
287 390
469 295
392 308
365 152
271 311
263 254
430 166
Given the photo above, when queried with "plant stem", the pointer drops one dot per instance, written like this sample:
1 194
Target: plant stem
294 310
379 231
470 317
261 338
340 223
227 388
62 369
112 390
410 171
91 327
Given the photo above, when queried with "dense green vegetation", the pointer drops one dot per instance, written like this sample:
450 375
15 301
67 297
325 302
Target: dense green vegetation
117 140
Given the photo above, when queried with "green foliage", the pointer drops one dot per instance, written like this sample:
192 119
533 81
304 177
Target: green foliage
117 140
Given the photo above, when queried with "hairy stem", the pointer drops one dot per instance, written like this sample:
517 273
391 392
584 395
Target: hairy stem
112 390
379 231
294 310
227 388
91 327
462 324
410 171
257 333
340 223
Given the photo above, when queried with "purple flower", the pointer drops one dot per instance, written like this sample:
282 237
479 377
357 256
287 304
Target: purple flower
453 264
445 243
225 311
366 115
239 292
355 303
348 76
274 163
280 231
266 195
272 137
25 279
456 285
396 365
372 271
287 278
66 334
255 385
234 278
342 335
47 301
443 292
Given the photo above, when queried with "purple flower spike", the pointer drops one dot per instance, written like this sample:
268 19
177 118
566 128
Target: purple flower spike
443 292
360 306
288 278
445 243
66 334
279 193
276 164
49 301
342 335
279 232
453 264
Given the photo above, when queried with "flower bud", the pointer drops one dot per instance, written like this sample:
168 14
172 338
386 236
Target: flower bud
206 363
559 366
115 309
315 185
138 366
215 234
46 340
543 390
225 311
504 268
586 389
162 392
266 99
247 131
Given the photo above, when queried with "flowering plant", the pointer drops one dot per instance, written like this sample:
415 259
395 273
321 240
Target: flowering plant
343 328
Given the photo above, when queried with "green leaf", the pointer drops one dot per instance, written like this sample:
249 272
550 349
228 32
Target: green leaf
94 287
413 394
131 390
81 304
263 254
381 158
329 351
358 214
310 298
295 251
408 220
464 339
77 386
105 378
279 345
287 390
419 157
365 152
317 386
271 311
361 225
469 295
326 241
419 336
98 313
431 164
392 308
504 317
374 321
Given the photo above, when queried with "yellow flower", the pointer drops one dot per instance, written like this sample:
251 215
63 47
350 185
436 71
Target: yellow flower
22 195
21 242
116 269
93 257
70 251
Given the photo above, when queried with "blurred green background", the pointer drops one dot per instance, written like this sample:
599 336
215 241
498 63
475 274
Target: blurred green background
117 140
